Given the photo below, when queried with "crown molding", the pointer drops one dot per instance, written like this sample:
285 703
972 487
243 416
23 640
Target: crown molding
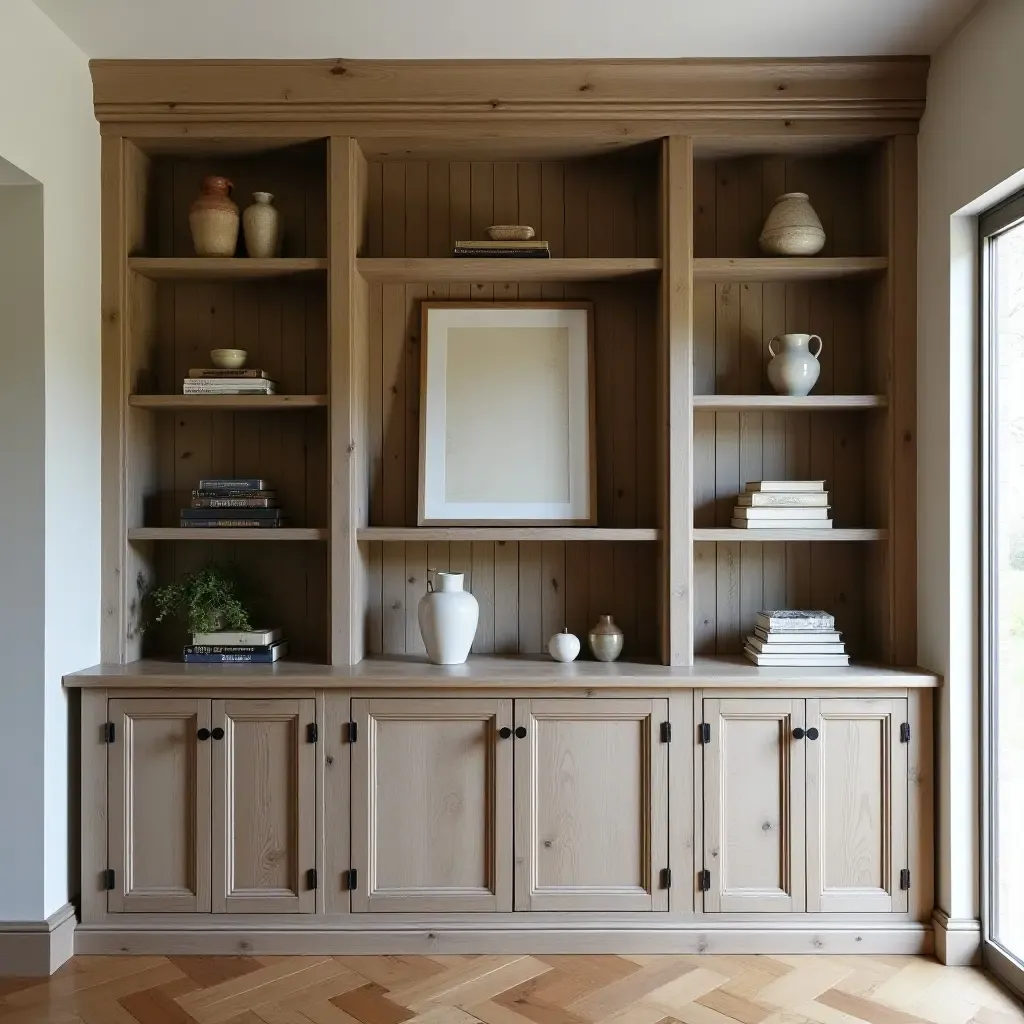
482 94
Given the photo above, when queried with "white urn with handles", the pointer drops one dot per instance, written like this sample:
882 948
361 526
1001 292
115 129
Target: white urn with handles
794 368
448 617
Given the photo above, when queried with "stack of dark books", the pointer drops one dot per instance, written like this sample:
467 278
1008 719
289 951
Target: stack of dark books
234 501
503 250
258 646
228 382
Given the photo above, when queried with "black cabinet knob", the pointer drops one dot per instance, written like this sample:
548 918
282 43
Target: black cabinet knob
521 732
812 733
504 732
798 733
218 733
203 734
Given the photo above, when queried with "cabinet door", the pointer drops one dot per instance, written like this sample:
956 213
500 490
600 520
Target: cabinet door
264 804
754 805
856 805
159 806
432 805
591 804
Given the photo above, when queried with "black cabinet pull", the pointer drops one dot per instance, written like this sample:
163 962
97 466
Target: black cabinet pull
521 732
218 733
504 732
812 733
203 734
798 733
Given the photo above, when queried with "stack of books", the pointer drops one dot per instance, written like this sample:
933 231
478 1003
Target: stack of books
793 638
503 250
228 382
259 646
235 501
782 505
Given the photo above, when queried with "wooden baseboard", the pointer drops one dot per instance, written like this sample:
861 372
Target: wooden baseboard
907 937
37 948
957 940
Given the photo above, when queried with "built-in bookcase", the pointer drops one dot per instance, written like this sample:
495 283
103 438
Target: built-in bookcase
662 237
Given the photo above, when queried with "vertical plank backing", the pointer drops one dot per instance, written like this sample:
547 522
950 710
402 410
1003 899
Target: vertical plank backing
675 397
348 316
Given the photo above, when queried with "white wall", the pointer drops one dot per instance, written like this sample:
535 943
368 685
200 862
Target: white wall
49 445
971 155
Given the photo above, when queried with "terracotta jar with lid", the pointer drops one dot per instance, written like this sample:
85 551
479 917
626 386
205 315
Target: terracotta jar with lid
213 219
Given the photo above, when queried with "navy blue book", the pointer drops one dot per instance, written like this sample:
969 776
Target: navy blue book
255 656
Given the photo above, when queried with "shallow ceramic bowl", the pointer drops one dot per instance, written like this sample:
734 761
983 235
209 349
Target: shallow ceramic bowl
510 232
229 358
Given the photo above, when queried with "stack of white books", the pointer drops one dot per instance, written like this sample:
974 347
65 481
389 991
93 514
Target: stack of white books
789 638
228 382
782 505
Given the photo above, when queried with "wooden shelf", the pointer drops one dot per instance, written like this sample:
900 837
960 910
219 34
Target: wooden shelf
811 268
501 533
483 672
226 533
758 403
199 268
732 536
485 270
237 403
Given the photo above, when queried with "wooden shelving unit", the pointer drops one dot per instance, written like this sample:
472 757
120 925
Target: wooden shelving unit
520 271
458 534
230 403
660 235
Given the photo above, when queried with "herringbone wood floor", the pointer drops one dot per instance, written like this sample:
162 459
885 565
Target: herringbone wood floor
508 990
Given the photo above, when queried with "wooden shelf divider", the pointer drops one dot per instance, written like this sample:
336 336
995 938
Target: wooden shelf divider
413 270
413 534
226 533
782 403
208 268
731 536
768 269
229 403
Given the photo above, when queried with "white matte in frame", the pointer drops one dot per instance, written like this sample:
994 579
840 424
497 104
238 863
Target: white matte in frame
506 422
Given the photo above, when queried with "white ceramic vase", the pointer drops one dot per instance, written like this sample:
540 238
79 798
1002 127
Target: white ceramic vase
448 616
564 646
794 368
792 227
261 223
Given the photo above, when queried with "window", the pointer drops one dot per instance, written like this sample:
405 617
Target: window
1002 307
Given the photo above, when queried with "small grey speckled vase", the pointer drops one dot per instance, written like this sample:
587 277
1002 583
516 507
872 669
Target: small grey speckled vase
605 639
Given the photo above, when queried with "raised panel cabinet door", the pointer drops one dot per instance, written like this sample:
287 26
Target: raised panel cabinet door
591 804
856 805
264 806
753 805
432 805
159 806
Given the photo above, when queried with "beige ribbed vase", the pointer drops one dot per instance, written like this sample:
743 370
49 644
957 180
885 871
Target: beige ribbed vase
792 227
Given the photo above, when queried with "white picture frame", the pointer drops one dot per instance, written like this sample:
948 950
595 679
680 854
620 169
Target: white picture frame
507 414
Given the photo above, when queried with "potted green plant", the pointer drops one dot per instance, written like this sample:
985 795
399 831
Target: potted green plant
203 601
